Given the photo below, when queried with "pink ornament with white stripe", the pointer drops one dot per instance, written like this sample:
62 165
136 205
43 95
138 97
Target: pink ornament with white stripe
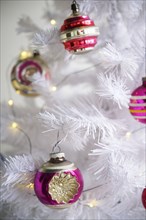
78 33
137 106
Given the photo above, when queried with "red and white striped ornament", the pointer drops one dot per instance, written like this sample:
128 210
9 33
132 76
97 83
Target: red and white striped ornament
137 106
78 33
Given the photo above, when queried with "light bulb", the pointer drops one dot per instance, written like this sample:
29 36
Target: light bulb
10 102
93 203
14 125
53 22
128 134
30 186
54 88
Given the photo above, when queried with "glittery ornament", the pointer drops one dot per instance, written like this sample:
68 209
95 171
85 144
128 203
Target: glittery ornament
58 183
137 106
78 33
144 197
28 68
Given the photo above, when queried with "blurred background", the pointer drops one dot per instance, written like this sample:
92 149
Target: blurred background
12 43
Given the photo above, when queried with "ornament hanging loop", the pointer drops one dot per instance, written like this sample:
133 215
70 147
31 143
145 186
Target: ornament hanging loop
56 146
75 7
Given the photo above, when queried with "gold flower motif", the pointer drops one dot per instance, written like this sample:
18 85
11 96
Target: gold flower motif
63 187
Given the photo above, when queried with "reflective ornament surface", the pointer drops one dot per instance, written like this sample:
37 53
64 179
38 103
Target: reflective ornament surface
58 183
78 33
29 67
137 106
63 187
144 197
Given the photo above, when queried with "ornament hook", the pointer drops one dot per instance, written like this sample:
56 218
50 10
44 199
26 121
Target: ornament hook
57 145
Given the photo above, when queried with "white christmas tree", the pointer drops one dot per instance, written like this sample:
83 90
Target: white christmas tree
86 110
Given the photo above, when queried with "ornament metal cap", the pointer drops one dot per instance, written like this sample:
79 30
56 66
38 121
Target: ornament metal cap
36 53
144 79
75 7
57 157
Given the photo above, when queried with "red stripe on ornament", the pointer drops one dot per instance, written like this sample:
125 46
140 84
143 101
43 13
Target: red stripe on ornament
76 18
80 43
87 23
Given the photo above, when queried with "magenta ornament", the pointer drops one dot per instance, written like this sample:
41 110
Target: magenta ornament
58 183
137 106
144 198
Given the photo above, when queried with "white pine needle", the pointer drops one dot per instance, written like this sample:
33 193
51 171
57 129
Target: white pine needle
46 37
114 88
115 62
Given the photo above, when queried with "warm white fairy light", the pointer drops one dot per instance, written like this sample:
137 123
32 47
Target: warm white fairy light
10 102
128 134
14 125
30 186
54 88
53 22
93 203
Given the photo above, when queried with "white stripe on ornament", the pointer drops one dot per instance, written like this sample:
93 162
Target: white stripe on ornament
79 33
137 104
140 117
138 97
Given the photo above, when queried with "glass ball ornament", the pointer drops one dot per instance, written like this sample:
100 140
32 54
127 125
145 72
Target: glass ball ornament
144 198
58 183
78 33
28 68
137 106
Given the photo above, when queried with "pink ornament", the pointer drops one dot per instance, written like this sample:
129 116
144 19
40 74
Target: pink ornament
144 197
29 67
137 106
58 183
78 33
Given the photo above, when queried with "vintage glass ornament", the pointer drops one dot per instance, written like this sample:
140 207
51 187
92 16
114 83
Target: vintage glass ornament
137 106
29 67
144 197
58 183
78 33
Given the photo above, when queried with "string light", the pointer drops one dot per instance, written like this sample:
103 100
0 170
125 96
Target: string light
10 102
30 186
54 88
128 134
53 22
14 125
93 203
